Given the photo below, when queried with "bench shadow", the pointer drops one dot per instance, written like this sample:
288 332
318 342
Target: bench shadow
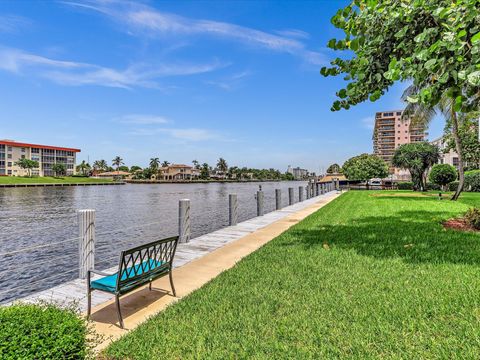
129 304
415 236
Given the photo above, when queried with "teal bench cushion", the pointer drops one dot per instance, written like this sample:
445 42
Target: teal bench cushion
109 283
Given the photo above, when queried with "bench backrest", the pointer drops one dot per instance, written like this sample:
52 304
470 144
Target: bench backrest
140 264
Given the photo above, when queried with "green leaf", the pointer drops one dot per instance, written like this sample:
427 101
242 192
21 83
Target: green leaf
474 78
354 44
462 33
342 94
430 64
476 38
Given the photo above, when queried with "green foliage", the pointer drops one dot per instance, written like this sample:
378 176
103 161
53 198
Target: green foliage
334 169
365 167
365 277
417 158
222 165
472 180
135 168
117 162
468 133
204 171
59 169
41 332
27 164
453 186
100 165
434 43
405 185
442 174
472 217
124 168
84 168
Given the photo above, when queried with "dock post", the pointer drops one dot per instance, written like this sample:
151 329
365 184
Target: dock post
290 196
260 208
300 193
86 245
232 209
184 220
278 199
307 195
334 185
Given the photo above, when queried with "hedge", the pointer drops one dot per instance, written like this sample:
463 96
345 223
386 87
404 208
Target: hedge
472 180
42 331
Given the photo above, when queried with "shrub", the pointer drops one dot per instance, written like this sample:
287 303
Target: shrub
406 185
453 186
472 180
442 174
472 217
43 331
433 186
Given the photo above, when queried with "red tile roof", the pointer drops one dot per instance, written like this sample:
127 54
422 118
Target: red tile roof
19 144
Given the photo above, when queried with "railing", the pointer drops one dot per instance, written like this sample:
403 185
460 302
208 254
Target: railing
77 254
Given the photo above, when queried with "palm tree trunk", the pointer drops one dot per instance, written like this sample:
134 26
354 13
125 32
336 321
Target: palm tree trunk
458 146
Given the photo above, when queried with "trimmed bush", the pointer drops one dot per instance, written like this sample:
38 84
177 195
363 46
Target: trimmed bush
472 180
453 186
432 186
406 185
472 217
43 331
442 174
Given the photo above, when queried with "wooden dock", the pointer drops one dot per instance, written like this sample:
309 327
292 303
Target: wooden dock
75 291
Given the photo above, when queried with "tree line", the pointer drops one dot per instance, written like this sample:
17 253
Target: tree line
206 171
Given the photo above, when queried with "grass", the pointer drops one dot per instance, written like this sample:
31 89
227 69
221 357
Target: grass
49 180
364 277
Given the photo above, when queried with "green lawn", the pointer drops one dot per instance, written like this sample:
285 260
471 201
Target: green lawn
371 275
49 180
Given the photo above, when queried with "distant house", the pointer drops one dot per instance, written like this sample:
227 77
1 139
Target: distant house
178 172
337 177
114 174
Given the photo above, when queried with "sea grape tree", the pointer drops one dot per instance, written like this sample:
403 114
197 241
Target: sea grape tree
434 44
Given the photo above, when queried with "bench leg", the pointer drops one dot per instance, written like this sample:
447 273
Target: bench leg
119 313
89 303
171 282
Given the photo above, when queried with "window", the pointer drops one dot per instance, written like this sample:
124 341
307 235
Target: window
35 151
399 138
9 164
9 148
455 161
23 149
399 113
9 156
9 172
399 131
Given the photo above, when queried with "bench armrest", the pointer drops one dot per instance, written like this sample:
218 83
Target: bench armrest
93 271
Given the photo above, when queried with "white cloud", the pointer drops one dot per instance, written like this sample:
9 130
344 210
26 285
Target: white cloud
294 33
142 119
368 122
139 17
187 134
230 82
12 23
78 73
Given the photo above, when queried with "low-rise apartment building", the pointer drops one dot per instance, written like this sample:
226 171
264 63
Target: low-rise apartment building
178 172
46 156
450 157
390 131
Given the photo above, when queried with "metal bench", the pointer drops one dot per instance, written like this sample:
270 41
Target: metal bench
138 266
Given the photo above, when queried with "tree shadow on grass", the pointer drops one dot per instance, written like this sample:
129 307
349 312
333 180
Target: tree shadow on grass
414 236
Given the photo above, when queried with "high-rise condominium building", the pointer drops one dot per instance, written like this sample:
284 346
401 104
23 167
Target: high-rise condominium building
391 131
46 156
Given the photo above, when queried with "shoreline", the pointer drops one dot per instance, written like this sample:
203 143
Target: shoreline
202 181
60 184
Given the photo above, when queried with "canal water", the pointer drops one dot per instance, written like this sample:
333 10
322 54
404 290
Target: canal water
44 219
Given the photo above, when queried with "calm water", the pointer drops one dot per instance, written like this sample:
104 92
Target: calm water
126 216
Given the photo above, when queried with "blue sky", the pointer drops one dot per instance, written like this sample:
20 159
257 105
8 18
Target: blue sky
180 80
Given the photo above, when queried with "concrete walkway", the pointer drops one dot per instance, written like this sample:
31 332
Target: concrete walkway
192 272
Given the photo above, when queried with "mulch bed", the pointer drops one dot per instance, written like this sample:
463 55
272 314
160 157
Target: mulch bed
458 224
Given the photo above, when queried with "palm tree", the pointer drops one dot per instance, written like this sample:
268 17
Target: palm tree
423 115
154 164
83 168
165 164
196 164
222 165
117 162
100 165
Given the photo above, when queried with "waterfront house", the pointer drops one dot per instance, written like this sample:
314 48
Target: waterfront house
178 172
46 155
